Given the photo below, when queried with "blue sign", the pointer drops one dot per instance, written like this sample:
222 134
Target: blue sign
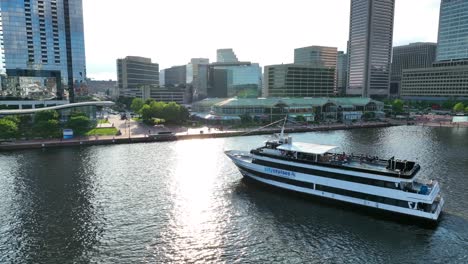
280 172
67 134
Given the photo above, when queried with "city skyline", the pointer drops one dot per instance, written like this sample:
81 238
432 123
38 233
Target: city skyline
263 37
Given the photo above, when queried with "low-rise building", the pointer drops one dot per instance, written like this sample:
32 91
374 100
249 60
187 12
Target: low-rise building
441 82
270 109
65 110
412 56
167 95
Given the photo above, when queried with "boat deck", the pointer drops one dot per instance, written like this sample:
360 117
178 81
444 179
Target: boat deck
374 166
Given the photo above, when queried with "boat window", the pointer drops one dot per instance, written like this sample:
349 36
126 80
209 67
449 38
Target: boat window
364 196
311 159
326 174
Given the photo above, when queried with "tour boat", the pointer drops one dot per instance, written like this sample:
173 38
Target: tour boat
390 185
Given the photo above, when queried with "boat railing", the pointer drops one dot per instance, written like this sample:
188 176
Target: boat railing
430 187
344 158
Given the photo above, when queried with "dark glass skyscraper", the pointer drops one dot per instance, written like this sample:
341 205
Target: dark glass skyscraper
342 72
43 51
453 30
370 47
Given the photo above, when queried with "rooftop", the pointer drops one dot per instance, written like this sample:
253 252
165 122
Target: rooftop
58 107
311 148
272 102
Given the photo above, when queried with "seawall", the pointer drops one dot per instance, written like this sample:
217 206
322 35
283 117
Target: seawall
57 143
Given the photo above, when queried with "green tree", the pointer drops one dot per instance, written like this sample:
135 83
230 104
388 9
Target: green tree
46 115
397 106
79 124
136 105
466 109
78 113
183 114
459 108
8 129
47 129
448 104
14 119
170 112
300 118
145 112
149 101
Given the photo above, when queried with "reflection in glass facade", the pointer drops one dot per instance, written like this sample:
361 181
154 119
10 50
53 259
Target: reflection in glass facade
175 76
370 47
318 56
243 79
226 55
197 78
36 88
453 30
41 38
342 72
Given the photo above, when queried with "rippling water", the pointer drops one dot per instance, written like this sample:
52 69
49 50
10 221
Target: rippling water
186 202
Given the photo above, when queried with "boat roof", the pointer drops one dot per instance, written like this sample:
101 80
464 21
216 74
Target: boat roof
311 148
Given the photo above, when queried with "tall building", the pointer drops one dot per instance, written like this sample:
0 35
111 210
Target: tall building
453 30
295 80
412 56
226 55
175 76
197 78
135 75
243 79
370 47
448 76
342 72
318 56
42 49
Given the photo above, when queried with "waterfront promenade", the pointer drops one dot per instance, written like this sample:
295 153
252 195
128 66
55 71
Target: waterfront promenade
135 132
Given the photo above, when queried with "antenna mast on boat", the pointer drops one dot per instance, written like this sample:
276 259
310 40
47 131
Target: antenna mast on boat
282 129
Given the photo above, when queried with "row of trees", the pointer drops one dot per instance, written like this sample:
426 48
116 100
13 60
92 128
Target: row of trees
153 112
460 108
44 124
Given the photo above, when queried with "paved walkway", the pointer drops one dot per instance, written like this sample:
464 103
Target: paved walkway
132 129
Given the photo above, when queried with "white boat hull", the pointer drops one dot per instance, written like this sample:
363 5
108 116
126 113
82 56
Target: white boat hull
277 178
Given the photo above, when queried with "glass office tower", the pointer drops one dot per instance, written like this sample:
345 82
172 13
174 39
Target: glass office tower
243 79
318 56
453 30
342 72
43 51
370 47
226 55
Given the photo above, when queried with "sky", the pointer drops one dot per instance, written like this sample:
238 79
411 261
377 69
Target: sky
171 32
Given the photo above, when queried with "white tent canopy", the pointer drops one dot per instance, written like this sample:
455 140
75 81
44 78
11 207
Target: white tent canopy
307 148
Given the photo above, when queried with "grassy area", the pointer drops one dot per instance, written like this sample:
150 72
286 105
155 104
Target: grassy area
102 131
103 121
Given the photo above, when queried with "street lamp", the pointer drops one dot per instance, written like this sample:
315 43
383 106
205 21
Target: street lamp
128 125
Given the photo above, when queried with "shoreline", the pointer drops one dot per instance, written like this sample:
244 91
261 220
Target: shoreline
94 141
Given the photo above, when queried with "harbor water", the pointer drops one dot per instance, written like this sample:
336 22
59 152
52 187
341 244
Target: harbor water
185 202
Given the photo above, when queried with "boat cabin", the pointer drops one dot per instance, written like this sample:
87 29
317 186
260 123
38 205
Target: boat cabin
324 155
